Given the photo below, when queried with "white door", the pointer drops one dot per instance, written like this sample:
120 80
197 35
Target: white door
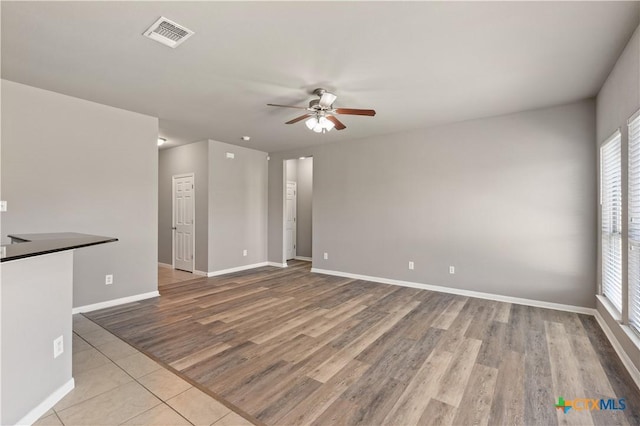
290 214
183 222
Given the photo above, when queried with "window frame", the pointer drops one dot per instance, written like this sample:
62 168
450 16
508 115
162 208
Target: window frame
615 223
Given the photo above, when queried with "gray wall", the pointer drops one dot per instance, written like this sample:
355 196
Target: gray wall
304 206
35 310
191 158
74 165
237 206
507 200
618 100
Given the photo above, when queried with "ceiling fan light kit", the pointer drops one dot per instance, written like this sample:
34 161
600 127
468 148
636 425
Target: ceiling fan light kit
320 117
319 124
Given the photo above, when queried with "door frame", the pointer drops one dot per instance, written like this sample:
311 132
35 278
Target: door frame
284 211
284 208
295 220
173 219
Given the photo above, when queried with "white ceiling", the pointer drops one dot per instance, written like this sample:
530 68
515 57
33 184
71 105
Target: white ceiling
416 63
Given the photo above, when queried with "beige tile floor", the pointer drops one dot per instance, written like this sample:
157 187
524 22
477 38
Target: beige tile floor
118 385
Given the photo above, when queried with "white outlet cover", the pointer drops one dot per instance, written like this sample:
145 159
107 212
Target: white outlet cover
108 279
244 252
411 265
3 206
58 347
452 269
326 256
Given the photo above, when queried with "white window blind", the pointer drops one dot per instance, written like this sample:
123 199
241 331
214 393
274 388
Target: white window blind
634 221
611 200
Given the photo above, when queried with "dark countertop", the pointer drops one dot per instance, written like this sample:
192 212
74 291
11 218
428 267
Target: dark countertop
29 245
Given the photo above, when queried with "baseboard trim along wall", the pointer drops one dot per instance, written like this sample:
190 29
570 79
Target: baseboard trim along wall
277 265
631 368
306 259
32 416
165 265
236 269
114 302
460 292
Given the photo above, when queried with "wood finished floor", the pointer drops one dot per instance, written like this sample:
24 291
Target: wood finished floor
285 346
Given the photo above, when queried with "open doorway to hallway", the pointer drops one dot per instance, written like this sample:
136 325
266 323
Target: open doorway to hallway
168 275
298 195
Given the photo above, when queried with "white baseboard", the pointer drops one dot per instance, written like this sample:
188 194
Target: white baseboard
629 365
469 293
200 273
165 265
32 416
236 269
306 259
114 302
277 265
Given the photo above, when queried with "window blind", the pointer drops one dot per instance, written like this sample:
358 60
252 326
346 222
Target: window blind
611 201
634 221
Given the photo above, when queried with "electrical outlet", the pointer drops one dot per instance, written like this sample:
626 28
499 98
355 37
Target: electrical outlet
3 206
326 256
452 269
58 347
411 265
108 279
244 252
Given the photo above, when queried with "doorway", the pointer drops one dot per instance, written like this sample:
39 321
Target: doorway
297 209
290 219
183 222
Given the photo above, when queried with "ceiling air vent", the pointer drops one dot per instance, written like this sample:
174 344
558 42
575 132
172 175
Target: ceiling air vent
168 32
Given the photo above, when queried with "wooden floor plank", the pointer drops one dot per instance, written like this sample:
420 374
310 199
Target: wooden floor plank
325 371
503 312
445 319
567 381
507 407
476 402
454 383
412 403
438 413
313 406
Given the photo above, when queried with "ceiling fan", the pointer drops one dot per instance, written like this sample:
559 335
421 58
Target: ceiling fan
320 116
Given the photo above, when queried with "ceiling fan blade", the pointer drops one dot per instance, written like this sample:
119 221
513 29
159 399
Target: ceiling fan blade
327 99
287 106
295 120
354 111
338 123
